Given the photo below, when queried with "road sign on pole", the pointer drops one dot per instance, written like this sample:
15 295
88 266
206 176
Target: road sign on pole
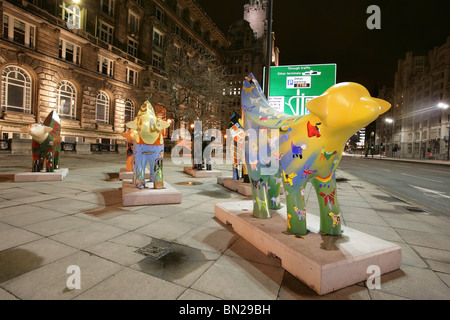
292 86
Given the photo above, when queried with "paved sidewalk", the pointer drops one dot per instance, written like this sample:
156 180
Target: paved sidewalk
45 227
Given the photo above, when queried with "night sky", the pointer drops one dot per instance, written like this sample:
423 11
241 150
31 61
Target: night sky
316 32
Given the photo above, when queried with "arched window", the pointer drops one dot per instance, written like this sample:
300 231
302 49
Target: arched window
129 110
102 108
67 100
16 90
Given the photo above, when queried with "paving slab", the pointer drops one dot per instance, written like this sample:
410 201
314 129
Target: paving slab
324 270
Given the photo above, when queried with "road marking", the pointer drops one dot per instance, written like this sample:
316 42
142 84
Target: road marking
410 175
439 193
441 172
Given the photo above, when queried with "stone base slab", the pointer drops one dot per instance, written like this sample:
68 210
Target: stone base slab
236 185
124 174
324 263
202 173
57 175
132 196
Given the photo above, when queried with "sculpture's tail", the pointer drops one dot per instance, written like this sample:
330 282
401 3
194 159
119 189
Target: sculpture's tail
53 121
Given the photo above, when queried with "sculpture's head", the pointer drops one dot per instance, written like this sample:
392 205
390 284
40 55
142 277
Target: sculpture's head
130 135
147 125
37 131
347 106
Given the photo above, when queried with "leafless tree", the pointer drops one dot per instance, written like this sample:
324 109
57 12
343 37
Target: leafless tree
194 86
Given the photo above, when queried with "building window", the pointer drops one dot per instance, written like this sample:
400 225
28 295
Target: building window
157 38
102 108
105 66
108 7
129 110
160 15
71 14
67 100
132 76
157 61
133 23
16 90
132 47
69 52
178 31
106 32
18 31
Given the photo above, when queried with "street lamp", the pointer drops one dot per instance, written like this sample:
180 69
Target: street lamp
391 121
445 106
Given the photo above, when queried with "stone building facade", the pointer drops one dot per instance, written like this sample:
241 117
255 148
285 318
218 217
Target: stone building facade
418 125
91 61
247 51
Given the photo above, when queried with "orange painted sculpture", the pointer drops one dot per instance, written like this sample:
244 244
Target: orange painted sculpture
130 136
301 149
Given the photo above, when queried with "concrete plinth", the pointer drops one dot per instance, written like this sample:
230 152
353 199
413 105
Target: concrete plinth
132 196
202 173
124 174
57 175
325 263
236 185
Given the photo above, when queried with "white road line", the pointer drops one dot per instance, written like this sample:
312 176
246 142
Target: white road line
410 175
439 193
441 172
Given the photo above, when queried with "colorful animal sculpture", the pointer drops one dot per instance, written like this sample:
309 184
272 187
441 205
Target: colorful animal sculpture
46 144
309 149
130 135
148 147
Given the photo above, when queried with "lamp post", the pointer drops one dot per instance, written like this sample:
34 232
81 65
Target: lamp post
445 106
269 49
391 121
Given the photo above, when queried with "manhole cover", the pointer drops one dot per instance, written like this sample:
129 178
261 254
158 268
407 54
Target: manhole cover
414 209
154 252
341 179
189 183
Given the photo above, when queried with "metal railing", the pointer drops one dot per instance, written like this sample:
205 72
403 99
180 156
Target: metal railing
5 144
99 147
68 146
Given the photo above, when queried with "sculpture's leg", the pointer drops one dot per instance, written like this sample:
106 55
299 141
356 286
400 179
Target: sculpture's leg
49 163
330 214
274 191
56 160
36 162
139 167
129 166
158 181
295 207
259 196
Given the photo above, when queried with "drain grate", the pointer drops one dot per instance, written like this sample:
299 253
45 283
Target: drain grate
154 252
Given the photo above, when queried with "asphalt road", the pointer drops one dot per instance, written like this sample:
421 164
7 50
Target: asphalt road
426 186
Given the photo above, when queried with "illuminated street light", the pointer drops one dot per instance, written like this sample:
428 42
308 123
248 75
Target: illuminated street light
444 106
389 120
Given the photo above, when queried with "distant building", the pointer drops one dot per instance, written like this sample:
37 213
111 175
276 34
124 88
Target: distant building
417 126
90 62
248 50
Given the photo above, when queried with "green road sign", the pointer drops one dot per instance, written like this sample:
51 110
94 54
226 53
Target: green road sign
292 86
